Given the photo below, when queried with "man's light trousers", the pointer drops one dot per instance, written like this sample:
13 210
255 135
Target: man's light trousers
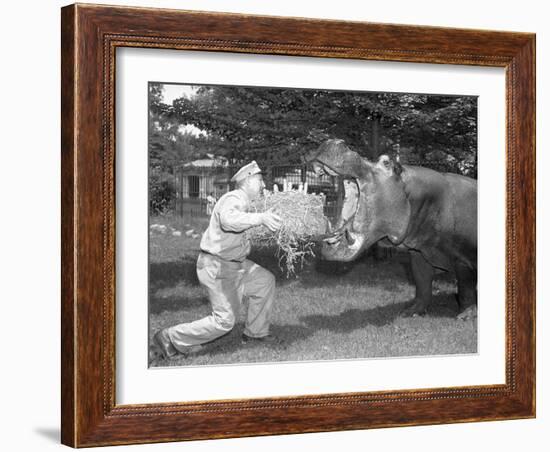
227 283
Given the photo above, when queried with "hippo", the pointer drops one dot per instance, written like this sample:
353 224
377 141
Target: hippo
432 215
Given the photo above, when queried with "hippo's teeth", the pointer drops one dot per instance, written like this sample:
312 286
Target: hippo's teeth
332 240
357 243
349 237
319 169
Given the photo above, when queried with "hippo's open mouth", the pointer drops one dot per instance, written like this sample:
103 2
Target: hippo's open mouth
342 242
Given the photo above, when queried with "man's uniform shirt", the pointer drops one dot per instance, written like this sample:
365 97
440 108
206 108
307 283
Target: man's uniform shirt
225 236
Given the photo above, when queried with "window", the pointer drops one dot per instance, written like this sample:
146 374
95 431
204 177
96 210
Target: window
193 183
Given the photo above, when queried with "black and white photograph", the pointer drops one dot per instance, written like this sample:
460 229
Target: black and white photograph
250 226
292 224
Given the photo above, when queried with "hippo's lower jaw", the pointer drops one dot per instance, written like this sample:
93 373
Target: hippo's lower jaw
345 247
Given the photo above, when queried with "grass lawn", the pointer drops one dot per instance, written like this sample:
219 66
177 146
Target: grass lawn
328 311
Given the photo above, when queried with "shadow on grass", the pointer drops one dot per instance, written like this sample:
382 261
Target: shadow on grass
363 272
286 335
442 306
168 274
389 274
231 343
157 305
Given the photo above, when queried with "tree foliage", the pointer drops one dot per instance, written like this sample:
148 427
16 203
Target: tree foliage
170 145
278 126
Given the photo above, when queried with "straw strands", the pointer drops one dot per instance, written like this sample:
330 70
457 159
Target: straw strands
303 221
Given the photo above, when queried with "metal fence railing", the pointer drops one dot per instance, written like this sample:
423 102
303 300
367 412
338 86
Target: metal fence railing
195 184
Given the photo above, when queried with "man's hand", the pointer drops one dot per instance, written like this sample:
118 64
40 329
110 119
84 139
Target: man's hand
271 220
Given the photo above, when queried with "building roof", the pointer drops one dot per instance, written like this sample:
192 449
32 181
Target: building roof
210 162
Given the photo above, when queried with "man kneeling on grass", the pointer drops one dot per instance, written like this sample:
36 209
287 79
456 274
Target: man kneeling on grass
222 267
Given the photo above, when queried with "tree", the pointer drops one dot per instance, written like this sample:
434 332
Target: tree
171 145
279 126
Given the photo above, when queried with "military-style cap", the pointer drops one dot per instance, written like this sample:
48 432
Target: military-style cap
247 170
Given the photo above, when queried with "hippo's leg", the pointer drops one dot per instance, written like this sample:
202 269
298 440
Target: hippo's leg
467 291
423 273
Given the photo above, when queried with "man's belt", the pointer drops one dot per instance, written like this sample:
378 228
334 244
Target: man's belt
221 258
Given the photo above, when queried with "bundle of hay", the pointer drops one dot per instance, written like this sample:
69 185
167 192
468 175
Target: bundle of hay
303 221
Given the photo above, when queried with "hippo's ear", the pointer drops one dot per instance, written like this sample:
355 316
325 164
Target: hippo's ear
389 166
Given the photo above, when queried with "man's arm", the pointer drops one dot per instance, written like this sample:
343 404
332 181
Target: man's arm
234 218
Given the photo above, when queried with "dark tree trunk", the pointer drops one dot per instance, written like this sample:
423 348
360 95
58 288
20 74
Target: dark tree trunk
375 137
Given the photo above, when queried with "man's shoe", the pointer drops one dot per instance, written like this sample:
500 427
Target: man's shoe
269 339
164 343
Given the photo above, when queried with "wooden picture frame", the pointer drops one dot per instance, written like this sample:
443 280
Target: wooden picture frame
90 36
